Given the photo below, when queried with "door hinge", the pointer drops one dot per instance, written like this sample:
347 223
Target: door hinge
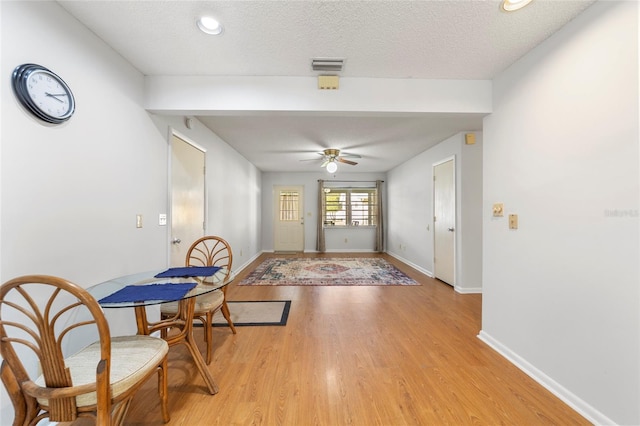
434 218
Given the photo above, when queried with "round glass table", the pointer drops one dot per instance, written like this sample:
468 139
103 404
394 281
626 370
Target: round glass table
145 288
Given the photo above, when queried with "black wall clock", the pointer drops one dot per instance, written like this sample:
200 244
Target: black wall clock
43 93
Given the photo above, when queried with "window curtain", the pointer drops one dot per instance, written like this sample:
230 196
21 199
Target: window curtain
380 228
288 206
320 243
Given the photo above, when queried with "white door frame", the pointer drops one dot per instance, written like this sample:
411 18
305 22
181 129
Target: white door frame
455 218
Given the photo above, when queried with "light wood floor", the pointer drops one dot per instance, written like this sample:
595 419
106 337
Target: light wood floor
355 356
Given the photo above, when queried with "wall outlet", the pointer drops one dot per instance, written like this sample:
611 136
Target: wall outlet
162 219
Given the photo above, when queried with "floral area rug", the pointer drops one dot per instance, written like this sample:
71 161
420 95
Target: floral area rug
327 271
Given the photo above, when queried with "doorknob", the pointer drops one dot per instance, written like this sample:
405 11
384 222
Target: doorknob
450 229
176 241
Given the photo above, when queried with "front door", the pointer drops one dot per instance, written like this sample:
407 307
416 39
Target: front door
288 218
444 217
187 197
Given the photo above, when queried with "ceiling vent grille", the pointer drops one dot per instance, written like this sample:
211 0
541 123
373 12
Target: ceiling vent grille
327 64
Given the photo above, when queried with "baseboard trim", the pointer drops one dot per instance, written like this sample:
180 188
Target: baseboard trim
471 290
247 263
349 251
573 401
413 265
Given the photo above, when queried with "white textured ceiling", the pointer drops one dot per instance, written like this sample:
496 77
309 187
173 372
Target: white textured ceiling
438 39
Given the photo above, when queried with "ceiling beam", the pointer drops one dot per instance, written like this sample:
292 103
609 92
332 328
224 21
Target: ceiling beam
207 95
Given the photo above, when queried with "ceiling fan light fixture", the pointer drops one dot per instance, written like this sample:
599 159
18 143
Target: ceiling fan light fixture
513 5
332 167
209 25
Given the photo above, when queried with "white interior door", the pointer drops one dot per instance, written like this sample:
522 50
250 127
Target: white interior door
288 218
187 197
444 217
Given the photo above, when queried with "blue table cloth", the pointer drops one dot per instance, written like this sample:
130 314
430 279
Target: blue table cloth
189 271
138 293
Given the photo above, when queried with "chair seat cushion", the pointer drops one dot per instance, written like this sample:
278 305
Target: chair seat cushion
132 358
204 303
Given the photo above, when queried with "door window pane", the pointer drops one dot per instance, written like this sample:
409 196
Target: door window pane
289 206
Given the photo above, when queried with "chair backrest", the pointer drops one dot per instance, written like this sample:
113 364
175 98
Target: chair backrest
210 251
40 314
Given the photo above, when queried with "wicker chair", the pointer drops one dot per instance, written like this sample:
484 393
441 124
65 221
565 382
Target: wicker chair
39 317
207 251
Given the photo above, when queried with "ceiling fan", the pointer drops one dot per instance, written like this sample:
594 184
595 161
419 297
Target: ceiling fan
332 156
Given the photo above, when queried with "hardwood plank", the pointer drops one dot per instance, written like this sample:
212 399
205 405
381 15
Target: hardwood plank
355 355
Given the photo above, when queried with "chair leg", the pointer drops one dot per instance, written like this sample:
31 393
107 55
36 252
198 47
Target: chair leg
163 385
163 331
26 409
208 335
227 316
119 412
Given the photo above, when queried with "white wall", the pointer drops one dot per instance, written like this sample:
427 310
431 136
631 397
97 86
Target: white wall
233 186
360 239
471 167
561 293
70 193
410 213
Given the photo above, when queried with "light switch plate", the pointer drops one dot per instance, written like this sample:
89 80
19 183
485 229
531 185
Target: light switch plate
138 221
162 219
513 221
498 209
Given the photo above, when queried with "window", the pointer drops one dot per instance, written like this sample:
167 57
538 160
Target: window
289 206
350 207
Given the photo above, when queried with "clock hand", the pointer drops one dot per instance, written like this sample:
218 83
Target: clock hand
55 96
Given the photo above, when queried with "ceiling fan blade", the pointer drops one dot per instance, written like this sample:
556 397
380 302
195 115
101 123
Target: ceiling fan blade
342 160
346 154
324 163
322 157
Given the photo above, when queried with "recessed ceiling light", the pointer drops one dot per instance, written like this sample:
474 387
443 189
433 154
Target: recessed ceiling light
513 5
209 25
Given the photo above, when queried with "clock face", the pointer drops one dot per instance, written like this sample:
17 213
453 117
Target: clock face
43 93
